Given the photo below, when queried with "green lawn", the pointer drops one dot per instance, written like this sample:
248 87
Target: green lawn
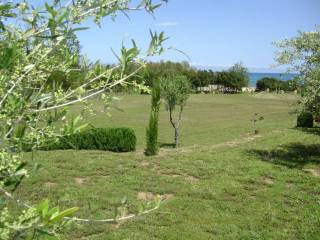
223 182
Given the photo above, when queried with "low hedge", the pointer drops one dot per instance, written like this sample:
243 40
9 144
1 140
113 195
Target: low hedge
108 139
305 119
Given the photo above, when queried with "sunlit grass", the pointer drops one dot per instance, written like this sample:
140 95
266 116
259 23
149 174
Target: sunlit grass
224 183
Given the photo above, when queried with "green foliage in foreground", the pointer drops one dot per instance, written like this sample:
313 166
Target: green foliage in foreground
223 183
305 119
37 59
107 139
152 129
38 222
302 54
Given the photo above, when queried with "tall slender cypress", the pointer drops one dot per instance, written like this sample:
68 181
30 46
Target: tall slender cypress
152 147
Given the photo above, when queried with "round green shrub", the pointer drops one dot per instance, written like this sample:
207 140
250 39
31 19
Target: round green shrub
305 119
107 139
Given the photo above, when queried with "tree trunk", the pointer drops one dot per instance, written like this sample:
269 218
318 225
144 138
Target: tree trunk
176 137
175 125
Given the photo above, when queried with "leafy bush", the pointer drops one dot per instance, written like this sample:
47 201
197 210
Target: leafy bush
273 84
305 119
108 139
231 81
294 84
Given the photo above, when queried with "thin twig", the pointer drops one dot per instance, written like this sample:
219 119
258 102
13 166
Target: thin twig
26 73
108 220
19 202
113 220
90 95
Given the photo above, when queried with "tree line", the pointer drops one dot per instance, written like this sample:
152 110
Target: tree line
274 85
231 80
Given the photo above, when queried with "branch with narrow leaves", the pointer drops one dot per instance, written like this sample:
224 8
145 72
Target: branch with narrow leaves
90 95
65 214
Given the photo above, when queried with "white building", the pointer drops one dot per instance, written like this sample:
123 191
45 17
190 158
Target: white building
220 88
248 89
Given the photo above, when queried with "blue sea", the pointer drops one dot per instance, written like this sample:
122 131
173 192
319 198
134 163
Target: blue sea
254 77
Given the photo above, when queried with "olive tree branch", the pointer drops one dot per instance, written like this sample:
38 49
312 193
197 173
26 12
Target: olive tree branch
90 95
15 84
108 220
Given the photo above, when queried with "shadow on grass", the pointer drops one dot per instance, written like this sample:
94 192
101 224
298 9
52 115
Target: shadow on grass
294 155
166 145
314 130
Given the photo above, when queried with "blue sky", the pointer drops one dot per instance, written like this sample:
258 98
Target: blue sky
214 33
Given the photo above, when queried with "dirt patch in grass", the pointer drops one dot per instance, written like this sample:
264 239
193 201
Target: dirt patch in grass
144 163
229 196
268 180
184 176
80 181
148 196
314 172
50 184
207 148
191 178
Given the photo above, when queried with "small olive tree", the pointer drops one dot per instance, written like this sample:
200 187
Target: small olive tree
152 130
175 91
302 55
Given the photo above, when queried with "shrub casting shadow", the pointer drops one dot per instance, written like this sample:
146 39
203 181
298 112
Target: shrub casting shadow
166 145
314 130
294 155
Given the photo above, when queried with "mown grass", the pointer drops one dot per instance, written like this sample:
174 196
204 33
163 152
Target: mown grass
207 119
224 183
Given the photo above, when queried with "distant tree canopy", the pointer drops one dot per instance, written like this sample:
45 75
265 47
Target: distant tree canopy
235 78
269 83
231 80
239 75
274 84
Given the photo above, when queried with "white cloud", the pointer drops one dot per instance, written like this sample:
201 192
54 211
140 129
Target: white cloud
167 24
214 66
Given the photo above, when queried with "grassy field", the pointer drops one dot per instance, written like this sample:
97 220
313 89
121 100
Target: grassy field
223 183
